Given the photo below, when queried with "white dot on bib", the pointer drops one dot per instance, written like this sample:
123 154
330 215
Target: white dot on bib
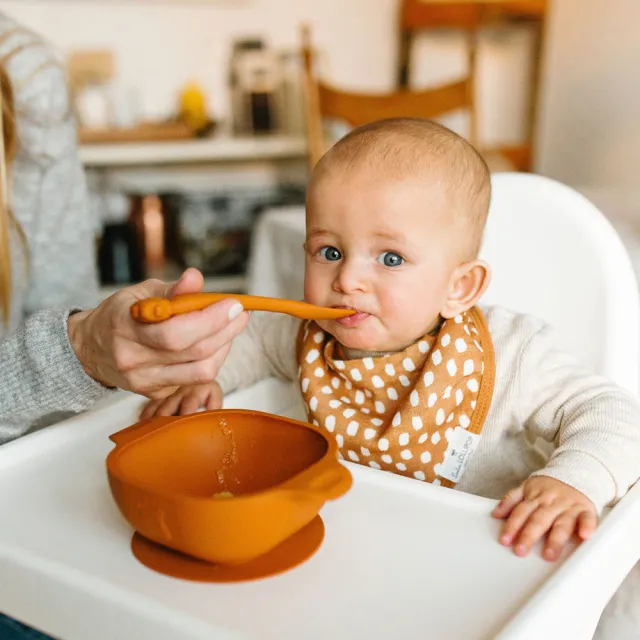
317 338
435 438
313 403
312 356
352 428
447 392
433 397
348 385
452 368
416 423
450 417
480 349
401 466
377 382
380 407
468 367
448 434
365 410
459 397
472 385
423 438
335 404
356 375
338 364
386 458
359 397
348 413
466 329
345 400
368 363
414 398
376 422
436 356
353 456
404 381
315 423
365 452
327 390
474 330
440 417
446 339
428 378
374 465
464 421
473 405
330 423
319 372
305 385
340 440
408 365
423 346
335 382
419 475
406 454
392 393
368 393
458 319
397 419
461 345
369 433
437 482
383 444
425 458
389 370
403 440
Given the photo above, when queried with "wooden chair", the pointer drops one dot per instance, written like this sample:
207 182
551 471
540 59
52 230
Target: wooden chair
470 15
355 109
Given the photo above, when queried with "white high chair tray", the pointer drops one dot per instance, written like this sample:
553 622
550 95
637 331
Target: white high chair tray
400 558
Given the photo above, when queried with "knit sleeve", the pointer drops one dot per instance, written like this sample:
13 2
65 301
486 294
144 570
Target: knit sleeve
265 349
40 375
593 424
49 191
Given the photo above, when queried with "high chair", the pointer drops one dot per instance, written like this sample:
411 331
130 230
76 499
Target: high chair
417 16
401 557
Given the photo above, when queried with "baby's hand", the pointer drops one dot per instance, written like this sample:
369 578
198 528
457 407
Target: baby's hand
185 400
542 506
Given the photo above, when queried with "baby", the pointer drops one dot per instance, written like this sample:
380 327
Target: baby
420 381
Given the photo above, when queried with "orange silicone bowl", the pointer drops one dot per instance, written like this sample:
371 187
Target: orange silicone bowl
164 474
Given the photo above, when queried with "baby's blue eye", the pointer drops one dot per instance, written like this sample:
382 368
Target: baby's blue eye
330 253
390 259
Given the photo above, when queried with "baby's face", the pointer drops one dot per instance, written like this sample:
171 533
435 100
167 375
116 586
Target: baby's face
383 247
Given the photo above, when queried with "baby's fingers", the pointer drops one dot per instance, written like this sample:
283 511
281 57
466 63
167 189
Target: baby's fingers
538 524
516 521
560 534
587 523
508 503
169 406
195 400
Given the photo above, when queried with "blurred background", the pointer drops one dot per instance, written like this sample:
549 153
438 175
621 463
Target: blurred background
197 115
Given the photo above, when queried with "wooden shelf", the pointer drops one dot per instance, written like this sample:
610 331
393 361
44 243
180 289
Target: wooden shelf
209 150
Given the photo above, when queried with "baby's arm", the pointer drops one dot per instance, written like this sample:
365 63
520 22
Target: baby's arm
266 348
595 428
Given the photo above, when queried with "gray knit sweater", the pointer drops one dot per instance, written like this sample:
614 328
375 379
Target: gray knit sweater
39 373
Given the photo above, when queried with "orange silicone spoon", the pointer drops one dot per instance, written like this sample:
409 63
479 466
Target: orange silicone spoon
159 309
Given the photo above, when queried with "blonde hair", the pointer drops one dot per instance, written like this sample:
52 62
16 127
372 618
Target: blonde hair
7 150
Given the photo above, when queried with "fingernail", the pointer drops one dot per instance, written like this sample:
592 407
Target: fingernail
505 540
235 311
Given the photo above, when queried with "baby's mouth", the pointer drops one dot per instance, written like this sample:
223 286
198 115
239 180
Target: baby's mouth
354 320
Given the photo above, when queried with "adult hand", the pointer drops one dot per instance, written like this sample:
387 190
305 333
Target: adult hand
154 359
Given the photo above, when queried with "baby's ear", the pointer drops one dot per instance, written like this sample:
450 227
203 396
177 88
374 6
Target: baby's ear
468 283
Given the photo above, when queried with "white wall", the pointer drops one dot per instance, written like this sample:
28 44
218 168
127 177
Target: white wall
590 118
160 45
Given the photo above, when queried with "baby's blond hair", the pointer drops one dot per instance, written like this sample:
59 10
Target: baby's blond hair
403 147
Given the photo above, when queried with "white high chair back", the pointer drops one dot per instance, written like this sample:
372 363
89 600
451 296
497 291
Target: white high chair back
554 255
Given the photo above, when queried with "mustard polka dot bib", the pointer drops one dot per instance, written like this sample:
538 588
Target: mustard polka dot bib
418 413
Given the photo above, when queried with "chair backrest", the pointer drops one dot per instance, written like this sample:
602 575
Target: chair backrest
355 109
470 16
554 255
